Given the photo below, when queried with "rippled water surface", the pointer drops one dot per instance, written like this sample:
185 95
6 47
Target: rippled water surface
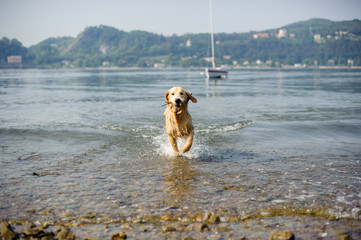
76 144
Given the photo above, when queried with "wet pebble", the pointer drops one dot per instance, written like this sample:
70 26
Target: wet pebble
65 234
38 234
197 227
35 233
188 238
221 229
202 227
119 236
345 236
7 232
32 232
168 229
211 218
282 235
126 226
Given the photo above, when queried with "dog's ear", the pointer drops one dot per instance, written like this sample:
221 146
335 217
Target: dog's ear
166 96
190 97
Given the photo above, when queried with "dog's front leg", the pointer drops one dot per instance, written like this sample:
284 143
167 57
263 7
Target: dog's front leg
189 143
173 143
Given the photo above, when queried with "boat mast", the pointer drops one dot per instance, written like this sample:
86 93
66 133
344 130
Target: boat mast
212 38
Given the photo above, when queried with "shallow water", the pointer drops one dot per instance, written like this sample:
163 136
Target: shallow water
76 144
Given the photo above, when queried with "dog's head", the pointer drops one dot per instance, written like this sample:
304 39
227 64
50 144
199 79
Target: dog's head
178 97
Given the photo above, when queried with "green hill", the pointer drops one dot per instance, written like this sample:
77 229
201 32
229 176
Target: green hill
316 41
10 48
325 27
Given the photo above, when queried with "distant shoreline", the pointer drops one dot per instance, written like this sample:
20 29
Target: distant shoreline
20 67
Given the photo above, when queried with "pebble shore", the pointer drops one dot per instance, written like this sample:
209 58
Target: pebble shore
207 226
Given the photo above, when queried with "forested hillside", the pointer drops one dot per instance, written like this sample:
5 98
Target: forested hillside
308 43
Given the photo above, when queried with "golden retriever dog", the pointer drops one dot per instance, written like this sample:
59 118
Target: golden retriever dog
178 121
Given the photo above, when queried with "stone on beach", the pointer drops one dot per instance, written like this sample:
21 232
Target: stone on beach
197 227
119 236
282 235
7 232
168 228
65 234
211 218
38 234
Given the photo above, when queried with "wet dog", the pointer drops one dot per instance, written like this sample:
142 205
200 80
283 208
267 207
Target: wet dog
178 121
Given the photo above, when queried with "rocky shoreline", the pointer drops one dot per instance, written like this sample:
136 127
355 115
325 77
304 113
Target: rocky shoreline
35 232
63 233
207 226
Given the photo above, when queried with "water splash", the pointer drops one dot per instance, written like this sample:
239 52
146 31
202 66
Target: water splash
159 139
162 145
164 149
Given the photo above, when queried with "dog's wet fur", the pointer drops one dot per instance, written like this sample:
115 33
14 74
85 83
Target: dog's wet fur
178 121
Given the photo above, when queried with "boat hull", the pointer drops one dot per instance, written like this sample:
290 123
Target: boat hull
216 73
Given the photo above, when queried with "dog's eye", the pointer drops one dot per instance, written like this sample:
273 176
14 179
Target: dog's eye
181 93
172 93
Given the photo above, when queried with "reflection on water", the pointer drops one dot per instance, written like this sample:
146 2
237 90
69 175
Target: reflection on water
180 178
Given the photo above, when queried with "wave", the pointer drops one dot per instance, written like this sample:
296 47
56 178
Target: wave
121 129
210 129
225 128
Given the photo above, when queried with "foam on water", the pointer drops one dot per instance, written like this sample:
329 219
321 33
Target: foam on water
163 147
225 128
159 138
120 128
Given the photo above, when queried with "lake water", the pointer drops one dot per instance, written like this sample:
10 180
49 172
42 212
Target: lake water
89 146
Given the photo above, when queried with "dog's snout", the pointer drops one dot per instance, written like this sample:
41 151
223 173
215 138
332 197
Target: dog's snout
178 101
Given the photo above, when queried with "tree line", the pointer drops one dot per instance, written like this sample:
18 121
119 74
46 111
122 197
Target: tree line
313 42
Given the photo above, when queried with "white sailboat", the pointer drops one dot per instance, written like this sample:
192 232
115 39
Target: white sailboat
215 71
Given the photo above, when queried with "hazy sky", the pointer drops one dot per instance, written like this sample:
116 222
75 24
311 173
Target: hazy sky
31 21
